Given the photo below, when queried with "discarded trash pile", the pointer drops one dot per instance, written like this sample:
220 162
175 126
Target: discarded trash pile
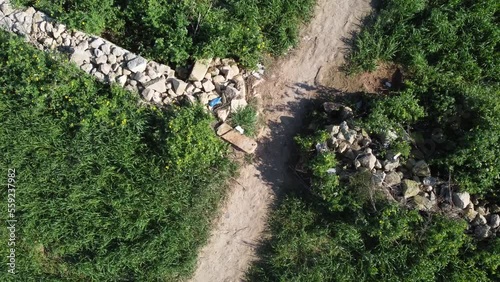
219 84
408 182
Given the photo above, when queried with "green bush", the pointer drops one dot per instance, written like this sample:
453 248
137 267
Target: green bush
181 30
106 189
449 50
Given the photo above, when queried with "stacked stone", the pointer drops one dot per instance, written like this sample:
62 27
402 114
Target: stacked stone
409 183
219 80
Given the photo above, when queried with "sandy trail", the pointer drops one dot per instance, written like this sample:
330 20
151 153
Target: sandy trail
287 91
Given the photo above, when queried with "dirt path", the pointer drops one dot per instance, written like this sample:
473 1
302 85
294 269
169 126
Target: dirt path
290 84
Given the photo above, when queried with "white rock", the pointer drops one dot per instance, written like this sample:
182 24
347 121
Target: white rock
494 221
57 31
117 51
6 9
111 59
203 98
96 43
461 200
98 53
137 64
148 94
200 68
237 104
105 68
179 86
222 113
106 48
158 84
121 80
80 58
208 86
87 68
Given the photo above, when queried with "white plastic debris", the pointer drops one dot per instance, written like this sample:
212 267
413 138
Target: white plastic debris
239 129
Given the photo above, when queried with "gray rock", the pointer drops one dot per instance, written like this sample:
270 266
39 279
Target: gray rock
203 98
6 9
157 99
148 94
410 188
105 68
179 86
422 203
208 86
80 57
461 200
99 76
429 181
422 169
231 92
391 165
121 80
482 231
222 113
392 178
378 178
388 136
106 48
87 68
98 53
368 161
494 221
346 113
333 129
57 31
200 68
479 220
96 43
158 84
111 59
138 64
237 104
117 51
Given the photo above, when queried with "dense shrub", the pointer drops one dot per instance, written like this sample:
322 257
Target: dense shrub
106 189
450 52
174 31
354 236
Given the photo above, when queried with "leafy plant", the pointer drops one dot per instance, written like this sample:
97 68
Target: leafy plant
107 189
246 118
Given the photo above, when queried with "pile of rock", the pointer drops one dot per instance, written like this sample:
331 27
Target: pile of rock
410 183
217 83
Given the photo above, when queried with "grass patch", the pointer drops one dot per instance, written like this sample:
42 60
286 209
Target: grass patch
452 87
178 31
246 118
106 190
344 231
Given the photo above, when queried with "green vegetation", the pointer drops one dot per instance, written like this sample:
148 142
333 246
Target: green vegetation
246 118
346 231
179 30
106 190
450 52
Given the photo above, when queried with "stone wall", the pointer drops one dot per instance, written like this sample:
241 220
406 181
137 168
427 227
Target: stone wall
216 83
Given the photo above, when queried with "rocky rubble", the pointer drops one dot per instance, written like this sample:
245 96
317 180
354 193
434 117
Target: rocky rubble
157 83
411 182
218 84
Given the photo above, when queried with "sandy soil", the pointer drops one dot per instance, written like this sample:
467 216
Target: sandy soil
290 84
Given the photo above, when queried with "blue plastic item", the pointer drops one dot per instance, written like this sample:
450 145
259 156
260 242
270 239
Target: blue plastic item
215 102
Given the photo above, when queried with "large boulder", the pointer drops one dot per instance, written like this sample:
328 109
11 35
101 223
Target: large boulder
461 200
494 221
410 188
